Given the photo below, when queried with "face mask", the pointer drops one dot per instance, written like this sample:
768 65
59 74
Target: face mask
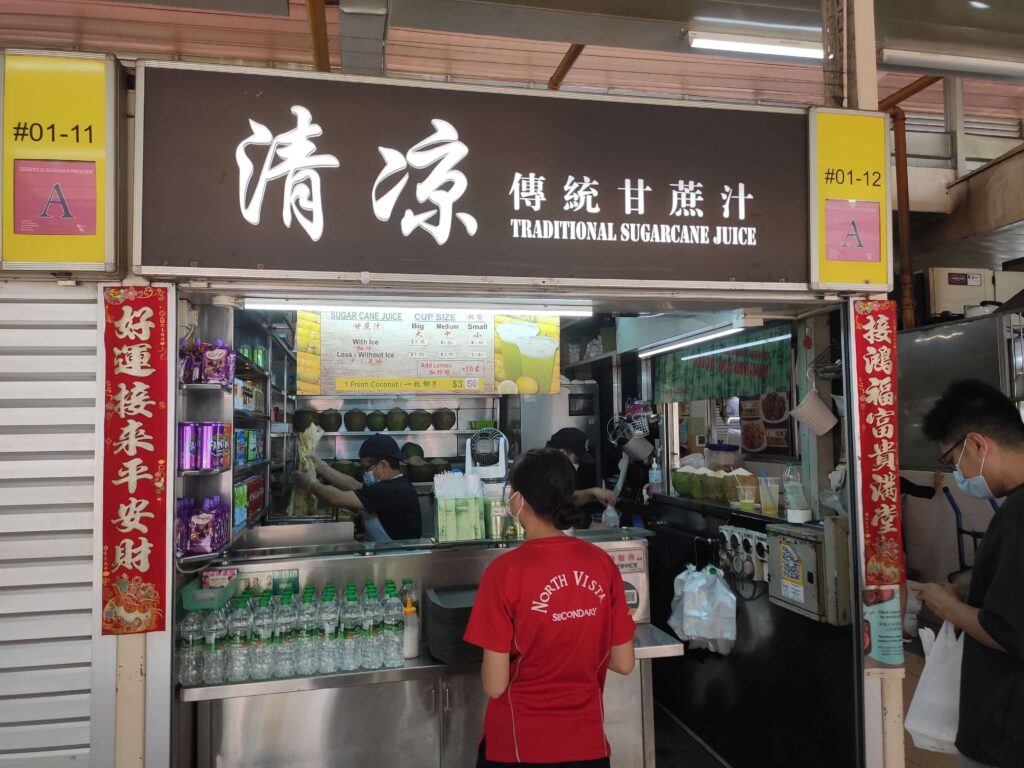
368 478
515 514
576 466
973 486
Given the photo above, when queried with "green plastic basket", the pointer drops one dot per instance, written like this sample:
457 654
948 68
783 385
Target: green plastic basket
194 598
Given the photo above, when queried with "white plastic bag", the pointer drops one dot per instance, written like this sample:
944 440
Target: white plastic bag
935 710
704 610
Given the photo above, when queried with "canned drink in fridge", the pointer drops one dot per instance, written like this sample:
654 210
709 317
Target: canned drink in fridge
224 445
208 458
253 452
241 443
188 446
260 356
245 351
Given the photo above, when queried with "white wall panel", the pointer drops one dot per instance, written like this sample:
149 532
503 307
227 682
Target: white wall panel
48 415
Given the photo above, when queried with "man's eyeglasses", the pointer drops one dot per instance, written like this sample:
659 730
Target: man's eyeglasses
945 461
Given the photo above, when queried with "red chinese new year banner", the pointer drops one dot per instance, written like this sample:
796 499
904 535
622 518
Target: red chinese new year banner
874 356
135 460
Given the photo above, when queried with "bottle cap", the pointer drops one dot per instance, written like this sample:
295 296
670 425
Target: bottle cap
286 598
409 607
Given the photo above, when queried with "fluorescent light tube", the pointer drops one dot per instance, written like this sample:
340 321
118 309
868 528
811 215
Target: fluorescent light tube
689 341
758 343
761 46
288 305
950 64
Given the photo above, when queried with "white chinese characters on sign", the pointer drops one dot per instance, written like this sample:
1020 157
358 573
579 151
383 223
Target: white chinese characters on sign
740 195
686 198
130 516
443 187
291 156
634 192
134 325
132 556
133 402
527 190
581 195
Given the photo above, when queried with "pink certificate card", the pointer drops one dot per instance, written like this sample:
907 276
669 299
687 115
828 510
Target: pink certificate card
853 230
54 197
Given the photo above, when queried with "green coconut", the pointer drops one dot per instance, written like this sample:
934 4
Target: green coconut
398 420
329 420
444 419
412 449
419 421
441 465
377 421
303 419
420 470
355 420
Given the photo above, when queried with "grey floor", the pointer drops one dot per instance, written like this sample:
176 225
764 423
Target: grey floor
675 747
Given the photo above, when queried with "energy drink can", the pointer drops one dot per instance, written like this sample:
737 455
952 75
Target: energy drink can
208 458
188 446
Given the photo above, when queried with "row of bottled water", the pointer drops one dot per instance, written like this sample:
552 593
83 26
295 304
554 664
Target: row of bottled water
256 638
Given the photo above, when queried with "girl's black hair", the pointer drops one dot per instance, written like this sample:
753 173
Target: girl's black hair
547 480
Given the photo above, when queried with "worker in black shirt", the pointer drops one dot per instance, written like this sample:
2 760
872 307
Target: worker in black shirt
385 496
982 441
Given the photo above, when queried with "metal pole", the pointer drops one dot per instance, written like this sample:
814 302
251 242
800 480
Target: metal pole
907 91
564 66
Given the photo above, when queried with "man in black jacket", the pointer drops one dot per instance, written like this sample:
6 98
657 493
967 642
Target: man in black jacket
981 436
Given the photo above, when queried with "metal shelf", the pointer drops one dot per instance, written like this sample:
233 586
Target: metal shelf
202 472
205 387
245 365
605 356
367 433
241 413
251 465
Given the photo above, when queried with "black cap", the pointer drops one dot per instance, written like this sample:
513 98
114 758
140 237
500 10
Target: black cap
381 447
573 440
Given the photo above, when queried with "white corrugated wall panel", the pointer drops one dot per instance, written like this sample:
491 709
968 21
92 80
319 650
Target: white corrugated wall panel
48 414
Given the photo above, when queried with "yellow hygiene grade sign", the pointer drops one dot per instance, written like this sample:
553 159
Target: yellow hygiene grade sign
57 185
851 213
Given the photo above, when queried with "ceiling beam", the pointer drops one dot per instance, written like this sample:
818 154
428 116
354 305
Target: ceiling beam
564 66
318 32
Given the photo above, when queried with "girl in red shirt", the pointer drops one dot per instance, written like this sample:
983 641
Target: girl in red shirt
552 619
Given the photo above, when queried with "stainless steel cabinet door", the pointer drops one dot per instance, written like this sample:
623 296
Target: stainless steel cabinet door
462 704
386 725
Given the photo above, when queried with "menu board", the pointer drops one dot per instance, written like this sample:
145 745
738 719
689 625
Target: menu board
766 426
406 350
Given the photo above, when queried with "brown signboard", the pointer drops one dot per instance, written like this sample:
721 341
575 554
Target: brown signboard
289 174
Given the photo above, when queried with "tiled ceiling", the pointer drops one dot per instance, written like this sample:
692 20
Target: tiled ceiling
136 30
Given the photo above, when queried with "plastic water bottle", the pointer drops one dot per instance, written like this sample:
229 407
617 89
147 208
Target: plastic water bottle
394 630
373 639
350 653
328 648
306 637
654 477
214 653
284 627
261 647
239 630
190 649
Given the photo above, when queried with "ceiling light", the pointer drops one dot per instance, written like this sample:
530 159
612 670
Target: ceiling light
758 343
979 5
688 341
949 64
476 305
762 46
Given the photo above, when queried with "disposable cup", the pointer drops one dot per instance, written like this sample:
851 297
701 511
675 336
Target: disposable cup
510 334
746 493
597 520
769 495
538 360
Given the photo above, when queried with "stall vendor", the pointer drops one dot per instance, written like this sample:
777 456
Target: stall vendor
576 447
386 497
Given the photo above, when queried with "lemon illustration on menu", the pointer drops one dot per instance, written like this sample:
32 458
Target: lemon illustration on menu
526 355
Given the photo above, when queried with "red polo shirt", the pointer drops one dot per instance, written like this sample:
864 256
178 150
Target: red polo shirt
556 606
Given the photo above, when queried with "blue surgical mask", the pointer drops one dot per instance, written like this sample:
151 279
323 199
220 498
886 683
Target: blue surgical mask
973 486
368 478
